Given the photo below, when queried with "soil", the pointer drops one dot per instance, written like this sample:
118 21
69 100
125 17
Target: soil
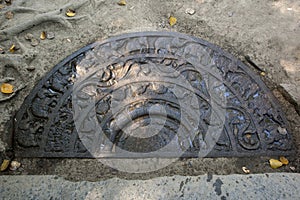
265 31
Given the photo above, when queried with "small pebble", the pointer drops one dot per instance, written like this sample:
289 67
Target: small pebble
30 68
162 24
9 15
14 165
282 131
190 11
245 170
292 168
28 36
230 14
34 42
50 35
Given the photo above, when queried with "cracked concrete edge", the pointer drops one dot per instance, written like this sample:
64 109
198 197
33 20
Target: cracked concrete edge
256 186
291 94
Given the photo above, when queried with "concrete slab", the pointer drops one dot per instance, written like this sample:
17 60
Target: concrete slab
254 186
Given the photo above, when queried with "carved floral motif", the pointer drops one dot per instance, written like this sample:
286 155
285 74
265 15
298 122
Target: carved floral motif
136 75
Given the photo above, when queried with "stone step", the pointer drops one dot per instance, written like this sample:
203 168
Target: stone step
253 186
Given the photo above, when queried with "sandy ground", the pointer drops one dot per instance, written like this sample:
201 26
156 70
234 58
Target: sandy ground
268 31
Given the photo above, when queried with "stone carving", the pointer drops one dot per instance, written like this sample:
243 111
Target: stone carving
181 88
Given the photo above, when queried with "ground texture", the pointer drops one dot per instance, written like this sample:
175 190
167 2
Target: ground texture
265 32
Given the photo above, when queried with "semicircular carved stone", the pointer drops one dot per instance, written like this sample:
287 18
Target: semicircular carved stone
151 94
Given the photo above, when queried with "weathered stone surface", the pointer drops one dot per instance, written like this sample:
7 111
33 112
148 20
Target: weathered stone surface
292 84
154 93
293 90
254 186
241 34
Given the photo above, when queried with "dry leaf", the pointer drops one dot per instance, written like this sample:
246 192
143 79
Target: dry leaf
70 13
43 35
9 15
263 73
245 170
275 163
122 2
172 21
284 160
7 88
4 165
12 48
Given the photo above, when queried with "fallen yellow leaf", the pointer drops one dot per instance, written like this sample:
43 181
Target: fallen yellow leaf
70 13
172 21
12 48
7 88
4 165
122 2
284 160
43 35
275 163
262 73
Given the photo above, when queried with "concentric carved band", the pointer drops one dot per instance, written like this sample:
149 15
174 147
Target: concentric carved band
190 93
